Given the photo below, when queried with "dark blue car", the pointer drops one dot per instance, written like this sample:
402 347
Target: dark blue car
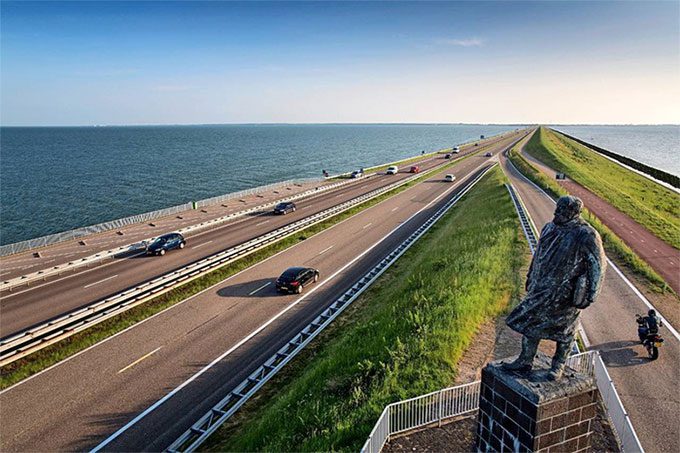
166 242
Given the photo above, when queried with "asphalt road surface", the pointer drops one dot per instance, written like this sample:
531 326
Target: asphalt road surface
29 306
155 379
648 389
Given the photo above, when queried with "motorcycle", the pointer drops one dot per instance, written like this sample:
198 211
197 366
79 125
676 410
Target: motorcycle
650 340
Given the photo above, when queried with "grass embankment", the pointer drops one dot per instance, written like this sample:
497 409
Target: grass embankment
613 245
34 363
402 338
648 203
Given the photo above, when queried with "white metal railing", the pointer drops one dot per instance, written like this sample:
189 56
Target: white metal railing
621 422
422 411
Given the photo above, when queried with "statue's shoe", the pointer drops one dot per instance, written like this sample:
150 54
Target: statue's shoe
517 366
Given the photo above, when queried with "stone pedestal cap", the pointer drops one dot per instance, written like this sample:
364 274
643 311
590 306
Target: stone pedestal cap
535 386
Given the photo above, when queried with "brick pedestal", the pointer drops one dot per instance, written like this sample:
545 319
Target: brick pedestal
530 413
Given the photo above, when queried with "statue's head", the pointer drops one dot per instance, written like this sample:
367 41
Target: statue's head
568 208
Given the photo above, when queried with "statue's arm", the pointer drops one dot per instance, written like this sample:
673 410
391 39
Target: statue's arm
596 264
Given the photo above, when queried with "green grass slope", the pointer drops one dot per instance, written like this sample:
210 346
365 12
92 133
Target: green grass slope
402 338
648 203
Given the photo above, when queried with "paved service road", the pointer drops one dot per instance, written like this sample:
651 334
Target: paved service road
649 390
81 401
25 307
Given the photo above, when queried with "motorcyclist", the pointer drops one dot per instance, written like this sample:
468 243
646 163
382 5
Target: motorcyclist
649 324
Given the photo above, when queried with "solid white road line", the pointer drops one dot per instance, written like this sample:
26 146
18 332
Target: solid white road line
201 245
325 250
100 281
173 392
261 287
140 359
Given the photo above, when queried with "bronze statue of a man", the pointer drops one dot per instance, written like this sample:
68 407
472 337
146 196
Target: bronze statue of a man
565 276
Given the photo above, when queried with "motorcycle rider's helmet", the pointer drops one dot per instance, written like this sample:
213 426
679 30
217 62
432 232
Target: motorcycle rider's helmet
651 313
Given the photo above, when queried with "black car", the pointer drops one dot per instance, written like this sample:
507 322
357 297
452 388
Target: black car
284 208
294 279
448 156
166 242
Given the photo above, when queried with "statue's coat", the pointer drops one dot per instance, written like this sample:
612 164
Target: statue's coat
565 276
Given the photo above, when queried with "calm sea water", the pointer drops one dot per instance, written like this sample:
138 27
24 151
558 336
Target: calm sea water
57 179
656 146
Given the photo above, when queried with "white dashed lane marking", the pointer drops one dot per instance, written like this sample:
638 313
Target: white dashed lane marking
325 250
201 245
100 281
140 359
261 287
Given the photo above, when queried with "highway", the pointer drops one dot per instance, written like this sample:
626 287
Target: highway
648 389
25 307
146 379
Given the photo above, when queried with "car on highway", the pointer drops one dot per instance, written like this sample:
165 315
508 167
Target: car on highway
448 156
357 174
456 149
415 169
165 243
393 170
449 178
488 155
294 279
284 208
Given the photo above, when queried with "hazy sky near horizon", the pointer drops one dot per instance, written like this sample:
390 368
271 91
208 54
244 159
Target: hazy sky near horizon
83 63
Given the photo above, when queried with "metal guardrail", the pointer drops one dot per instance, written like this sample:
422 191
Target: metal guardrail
621 422
191 439
254 190
438 406
18 247
29 341
527 224
139 245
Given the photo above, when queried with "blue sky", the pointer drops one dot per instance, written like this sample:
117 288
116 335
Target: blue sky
87 63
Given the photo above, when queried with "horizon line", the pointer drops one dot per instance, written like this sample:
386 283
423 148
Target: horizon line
337 124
